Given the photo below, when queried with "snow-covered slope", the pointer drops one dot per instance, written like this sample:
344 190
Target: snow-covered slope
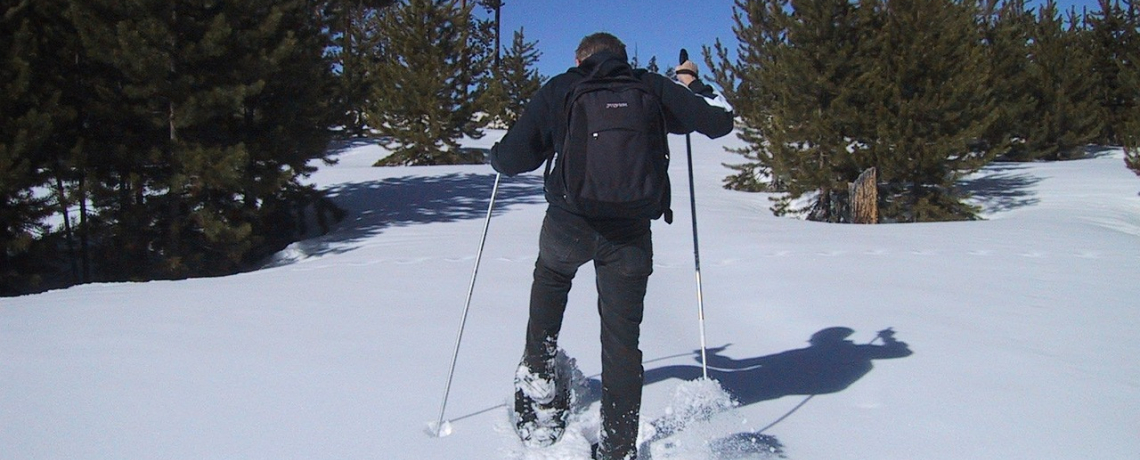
1020 331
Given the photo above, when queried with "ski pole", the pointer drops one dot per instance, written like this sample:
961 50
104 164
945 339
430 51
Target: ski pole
696 245
439 430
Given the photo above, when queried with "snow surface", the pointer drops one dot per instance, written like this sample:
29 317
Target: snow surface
1020 331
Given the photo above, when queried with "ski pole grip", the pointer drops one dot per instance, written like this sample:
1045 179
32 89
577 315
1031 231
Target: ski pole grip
685 58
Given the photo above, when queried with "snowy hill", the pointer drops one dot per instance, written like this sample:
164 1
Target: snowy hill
1020 331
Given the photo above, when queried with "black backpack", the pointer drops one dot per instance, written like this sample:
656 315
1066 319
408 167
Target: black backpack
614 161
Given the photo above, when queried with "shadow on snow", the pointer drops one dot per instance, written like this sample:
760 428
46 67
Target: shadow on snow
830 364
1005 186
373 206
1002 187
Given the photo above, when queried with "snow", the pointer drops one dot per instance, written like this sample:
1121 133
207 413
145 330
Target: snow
1020 331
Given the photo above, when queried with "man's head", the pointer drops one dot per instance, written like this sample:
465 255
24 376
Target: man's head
598 42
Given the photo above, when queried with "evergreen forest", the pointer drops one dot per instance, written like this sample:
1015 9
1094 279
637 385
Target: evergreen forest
924 92
148 139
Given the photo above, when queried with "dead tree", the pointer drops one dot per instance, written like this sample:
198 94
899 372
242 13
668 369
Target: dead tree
864 196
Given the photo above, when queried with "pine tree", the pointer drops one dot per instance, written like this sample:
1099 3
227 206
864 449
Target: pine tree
814 114
107 170
828 89
23 135
48 86
1130 78
218 108
1110 28
1066 112
496 8
1007 29
175 132
285 125
520 78
748 82
65 68
493 97
424 101
928 102
353 47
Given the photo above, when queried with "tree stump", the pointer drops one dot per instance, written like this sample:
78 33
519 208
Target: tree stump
864 195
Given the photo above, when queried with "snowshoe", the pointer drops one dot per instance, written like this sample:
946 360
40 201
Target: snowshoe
542 405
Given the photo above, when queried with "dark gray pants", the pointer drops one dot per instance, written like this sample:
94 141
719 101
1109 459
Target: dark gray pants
623 264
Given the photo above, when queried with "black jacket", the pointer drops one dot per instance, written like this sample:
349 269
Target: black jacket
539 131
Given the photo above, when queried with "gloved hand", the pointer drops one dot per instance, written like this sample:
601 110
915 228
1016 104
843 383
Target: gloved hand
686 72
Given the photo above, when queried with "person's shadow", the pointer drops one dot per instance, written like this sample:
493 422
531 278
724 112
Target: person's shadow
829 365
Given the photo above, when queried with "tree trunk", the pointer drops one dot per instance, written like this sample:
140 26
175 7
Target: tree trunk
68 232
864 196
84 238
498 46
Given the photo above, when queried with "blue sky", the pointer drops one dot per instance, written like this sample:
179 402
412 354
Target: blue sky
648 27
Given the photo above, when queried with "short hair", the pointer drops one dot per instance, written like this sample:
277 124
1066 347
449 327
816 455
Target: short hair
598 42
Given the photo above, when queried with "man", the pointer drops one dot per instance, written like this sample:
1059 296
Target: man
621 248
